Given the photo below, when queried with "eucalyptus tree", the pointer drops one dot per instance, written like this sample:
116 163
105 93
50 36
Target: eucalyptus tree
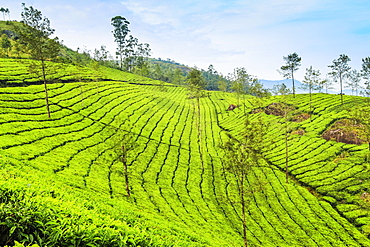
311 82
142 57
120 32
130 52
292 64
340 69
35 32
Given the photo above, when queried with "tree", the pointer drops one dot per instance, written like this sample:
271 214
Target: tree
35 32
223 84
311 82
178 77
240 82
196 84
124 144
292 63
120 32
284 92
211 77
6 45
365 71
327 84
280 89
241 156
353 82
142 63
340 70
2 9
256 89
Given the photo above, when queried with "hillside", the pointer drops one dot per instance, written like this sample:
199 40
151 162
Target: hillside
62 178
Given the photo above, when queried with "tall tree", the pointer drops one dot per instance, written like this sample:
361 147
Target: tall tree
311 82
3 10
35 32
340 70
365 71
240 158
120 32
142 59
241 82
292 63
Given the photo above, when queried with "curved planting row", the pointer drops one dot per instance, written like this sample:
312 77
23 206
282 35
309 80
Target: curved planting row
177 171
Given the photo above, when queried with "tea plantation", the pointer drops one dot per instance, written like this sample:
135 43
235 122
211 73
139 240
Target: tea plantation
61 183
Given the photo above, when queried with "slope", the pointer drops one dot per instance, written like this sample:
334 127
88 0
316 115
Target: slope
181 193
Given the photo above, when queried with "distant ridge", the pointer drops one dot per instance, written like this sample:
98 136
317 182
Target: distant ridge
288 82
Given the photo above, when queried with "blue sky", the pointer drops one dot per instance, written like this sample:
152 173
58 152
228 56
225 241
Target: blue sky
228 34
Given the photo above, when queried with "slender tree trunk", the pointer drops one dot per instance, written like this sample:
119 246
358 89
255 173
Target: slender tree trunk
244 103
124 162
293 84
243 204
286 148
310 105
199 130
341 90
45 87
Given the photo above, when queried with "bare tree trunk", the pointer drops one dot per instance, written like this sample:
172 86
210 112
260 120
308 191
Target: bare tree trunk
310 105
45 87
199 130
341 90
286 148
293 83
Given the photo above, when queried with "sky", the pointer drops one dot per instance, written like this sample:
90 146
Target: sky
255 34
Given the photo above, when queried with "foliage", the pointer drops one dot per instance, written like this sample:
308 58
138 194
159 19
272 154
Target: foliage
120 32
241 157
35 33
311 82
292 63
340 69
133 56
68 165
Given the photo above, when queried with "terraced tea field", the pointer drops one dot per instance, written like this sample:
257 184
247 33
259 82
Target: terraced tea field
181 191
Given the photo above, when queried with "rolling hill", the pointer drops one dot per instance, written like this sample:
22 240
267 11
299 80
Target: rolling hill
62 180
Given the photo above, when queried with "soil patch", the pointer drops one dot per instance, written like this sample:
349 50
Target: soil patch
300 117
278 109
346 131
299 132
